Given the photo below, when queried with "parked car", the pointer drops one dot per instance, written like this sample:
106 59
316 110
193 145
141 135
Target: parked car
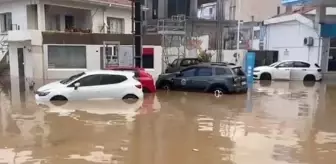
146 79
179 64
205 77
289 70
102 84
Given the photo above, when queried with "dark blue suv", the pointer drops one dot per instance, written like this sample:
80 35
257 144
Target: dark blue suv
205 77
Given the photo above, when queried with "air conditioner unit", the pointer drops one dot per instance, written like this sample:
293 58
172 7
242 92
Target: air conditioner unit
308 41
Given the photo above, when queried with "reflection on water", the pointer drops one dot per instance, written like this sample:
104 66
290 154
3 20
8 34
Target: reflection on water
289 123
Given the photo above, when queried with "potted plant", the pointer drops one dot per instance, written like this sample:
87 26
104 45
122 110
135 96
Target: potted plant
204 56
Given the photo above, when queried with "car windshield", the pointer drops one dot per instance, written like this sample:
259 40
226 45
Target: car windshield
68 80
274 64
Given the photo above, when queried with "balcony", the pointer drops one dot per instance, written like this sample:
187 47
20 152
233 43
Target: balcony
67 19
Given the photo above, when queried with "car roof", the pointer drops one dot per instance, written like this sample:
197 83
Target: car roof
294 61
218 64
124 68
111 72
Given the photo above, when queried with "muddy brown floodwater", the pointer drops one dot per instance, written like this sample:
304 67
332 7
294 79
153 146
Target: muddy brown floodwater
288 122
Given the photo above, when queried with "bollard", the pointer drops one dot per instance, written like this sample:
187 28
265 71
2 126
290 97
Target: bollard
249 66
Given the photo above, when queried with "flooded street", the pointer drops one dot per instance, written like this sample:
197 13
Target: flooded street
285 123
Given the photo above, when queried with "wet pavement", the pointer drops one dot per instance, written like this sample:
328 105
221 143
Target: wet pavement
286 122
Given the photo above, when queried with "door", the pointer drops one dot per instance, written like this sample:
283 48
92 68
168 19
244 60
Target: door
282 71
22 76
21 69
202 78
183 82
300 70
69 21
89 88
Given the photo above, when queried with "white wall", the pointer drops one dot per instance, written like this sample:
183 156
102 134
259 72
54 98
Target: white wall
18 10
290 36
19 13
93 63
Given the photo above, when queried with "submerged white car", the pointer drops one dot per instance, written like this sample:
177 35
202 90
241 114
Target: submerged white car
92 85
289 70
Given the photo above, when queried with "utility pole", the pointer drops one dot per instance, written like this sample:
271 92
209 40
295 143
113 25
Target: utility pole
220 19
137 21
238 26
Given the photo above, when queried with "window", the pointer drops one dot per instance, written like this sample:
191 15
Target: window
66 57
6 22
285 65
301 65
71 78
222 71
174 63
189 72
90 80
256 34
204 72
115 25
186 62
238 71
112 79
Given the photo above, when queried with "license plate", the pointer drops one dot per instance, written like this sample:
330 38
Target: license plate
243 83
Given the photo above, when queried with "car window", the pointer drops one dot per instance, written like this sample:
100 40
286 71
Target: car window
301 65
112 79
204 72
90 80
186 62
174 63
238 71
222 71
195 61
74 77
188 72
285 64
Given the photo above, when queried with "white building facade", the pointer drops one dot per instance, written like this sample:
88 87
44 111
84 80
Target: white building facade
297 36
48 39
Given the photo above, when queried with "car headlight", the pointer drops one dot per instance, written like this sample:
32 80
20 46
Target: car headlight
42 93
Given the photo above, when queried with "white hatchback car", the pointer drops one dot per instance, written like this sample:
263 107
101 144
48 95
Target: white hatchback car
92 85
289 70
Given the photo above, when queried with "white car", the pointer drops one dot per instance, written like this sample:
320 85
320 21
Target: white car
289 70
92 85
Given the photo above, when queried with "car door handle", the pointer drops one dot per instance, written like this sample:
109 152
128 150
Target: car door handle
304 70
286 69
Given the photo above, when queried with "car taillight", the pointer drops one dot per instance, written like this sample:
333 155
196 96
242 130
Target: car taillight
235 80
138 86
319 70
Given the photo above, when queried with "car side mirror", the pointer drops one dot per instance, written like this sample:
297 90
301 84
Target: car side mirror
179 74
170 65
77 85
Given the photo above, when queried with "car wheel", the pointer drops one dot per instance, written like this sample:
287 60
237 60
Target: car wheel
130 98
166 86
309 81
309 78
146 90
219 91
265 76
58 100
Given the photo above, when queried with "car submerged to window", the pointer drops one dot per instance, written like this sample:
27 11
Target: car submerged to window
205 77
91 85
